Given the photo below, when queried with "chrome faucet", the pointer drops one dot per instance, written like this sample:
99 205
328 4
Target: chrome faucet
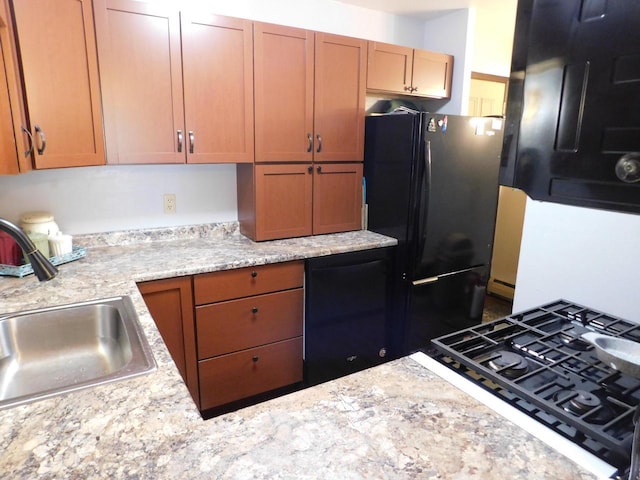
42 267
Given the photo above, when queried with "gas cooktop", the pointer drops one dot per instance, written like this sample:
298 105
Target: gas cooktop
536 361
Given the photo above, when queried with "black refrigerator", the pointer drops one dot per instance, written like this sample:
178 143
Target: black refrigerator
432 183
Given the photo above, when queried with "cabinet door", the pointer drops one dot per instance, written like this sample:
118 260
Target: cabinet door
8 147
250 372
389 67
60 72
228 327
141 74
218 88
340 72
283 63
337 198
171 306
432 74
283 201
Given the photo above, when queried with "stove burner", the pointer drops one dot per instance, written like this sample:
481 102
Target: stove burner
585 402
575 343
509 364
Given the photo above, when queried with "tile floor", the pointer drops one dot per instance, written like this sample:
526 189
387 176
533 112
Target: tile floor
495 307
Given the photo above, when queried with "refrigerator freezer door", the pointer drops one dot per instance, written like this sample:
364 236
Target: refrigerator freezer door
443 305
392 143
458 185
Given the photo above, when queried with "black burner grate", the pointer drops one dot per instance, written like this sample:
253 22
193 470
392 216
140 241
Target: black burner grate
536 361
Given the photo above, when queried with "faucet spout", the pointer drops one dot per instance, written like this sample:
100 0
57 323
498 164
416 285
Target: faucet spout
41 265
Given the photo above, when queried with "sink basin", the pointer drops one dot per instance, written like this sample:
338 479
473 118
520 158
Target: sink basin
56 350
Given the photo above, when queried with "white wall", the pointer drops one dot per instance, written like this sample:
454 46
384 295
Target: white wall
97 199
583 255
439 36
493 39
116 197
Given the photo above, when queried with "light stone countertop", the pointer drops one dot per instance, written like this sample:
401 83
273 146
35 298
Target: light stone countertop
395 421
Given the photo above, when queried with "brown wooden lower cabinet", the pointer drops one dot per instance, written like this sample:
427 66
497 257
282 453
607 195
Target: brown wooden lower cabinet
227 327
295 200
170 302
233 334
249 372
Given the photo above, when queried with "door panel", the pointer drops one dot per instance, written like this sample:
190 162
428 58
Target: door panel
459 201
451 303
138 42
218 88
339 98
337 198
348 297
432 74
389 67
283 63
8 148
487 95
283 201
59 63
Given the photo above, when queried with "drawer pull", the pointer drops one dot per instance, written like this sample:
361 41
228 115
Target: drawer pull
254 310
254 274
255 358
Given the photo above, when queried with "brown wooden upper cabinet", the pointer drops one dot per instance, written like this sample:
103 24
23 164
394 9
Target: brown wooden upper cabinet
283 200
9 156
408 71
57 52
145 52
309 95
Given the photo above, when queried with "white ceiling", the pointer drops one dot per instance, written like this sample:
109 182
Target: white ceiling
427 9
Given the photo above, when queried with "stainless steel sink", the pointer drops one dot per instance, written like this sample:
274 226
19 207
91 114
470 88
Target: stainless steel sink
50 351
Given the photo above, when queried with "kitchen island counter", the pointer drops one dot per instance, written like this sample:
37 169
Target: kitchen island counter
395 421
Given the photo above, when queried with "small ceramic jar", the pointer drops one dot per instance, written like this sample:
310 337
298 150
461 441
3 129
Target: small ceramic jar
38 222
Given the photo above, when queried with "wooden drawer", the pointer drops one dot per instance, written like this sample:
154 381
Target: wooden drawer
249 372
234 325
243 282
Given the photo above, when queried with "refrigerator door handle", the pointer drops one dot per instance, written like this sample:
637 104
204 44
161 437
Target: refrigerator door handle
425 281
423 205
429 280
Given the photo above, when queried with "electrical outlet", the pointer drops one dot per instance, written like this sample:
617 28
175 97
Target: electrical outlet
169 203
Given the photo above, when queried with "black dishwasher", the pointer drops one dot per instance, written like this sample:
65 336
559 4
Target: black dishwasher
348 300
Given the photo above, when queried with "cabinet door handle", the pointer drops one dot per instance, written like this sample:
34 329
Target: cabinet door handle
414 89
407 88
29 151
254 310
319 143
254 274
255 358
319 169
192 141
310 169
179 141
43 139
310 140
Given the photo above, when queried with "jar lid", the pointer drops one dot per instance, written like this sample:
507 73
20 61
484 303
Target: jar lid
36 217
